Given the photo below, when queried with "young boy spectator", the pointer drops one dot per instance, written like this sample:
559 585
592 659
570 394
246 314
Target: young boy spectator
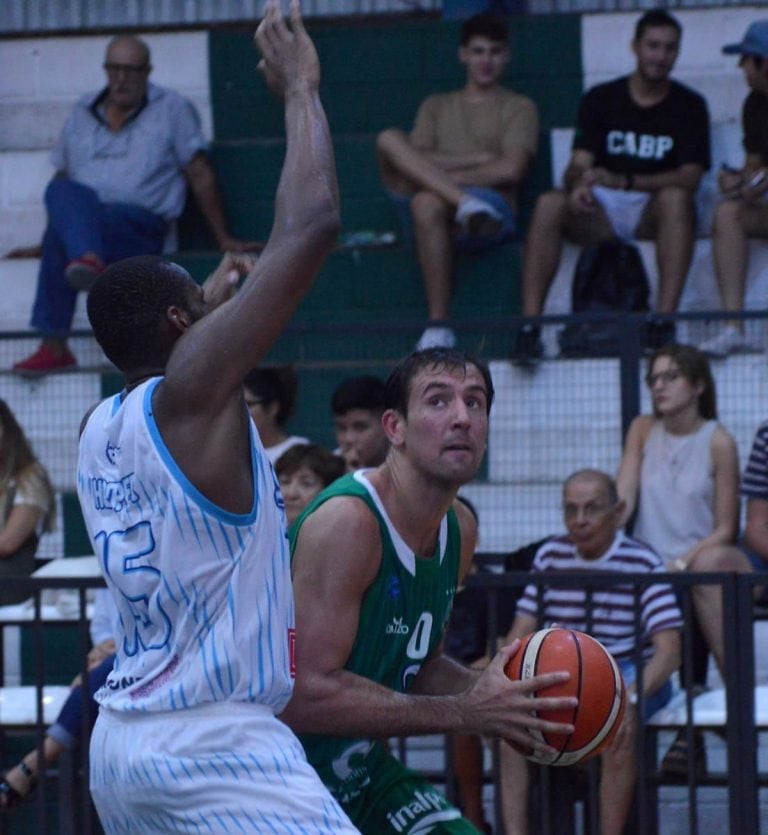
455 178
357 405
743 212
639 152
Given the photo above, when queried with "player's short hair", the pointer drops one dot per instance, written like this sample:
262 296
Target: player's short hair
656 17
274 384
127 305
362 392
489 25
398 385
324 464
695 367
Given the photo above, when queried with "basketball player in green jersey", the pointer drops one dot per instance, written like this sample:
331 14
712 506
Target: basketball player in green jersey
377 558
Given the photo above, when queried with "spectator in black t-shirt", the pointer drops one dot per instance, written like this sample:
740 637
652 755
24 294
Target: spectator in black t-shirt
640 149
743 213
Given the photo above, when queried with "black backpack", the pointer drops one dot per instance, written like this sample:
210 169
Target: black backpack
609 278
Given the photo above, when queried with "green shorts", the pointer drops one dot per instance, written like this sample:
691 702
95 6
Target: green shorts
398 800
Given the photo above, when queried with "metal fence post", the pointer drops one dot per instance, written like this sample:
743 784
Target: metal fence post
740 701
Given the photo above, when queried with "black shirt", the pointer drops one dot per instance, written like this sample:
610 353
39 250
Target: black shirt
754 118
625 137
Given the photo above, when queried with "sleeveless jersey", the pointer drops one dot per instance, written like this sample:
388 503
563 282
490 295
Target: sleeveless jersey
402 619
204 596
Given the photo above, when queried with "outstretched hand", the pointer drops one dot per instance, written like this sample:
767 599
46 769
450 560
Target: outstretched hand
497 706
289 60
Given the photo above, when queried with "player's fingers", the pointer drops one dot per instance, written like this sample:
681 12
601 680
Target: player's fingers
297 22
504 654
546 703
526 740
541 682
548 726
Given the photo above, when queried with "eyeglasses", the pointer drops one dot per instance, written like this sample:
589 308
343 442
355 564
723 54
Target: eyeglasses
592 510
668 376
128 69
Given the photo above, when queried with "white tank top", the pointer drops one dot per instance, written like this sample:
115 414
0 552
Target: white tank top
204 596
677 490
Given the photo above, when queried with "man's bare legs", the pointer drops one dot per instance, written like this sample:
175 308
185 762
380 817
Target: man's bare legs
405 169
708 599
618 774
432 222
435 200
617 785
514 777
467 759
670 219
553 221
735 222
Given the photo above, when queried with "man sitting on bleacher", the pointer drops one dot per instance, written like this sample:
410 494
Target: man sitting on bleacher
121 162
455 178
594 542
639 152
743 212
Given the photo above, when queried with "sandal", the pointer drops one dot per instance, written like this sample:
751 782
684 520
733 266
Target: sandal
675 761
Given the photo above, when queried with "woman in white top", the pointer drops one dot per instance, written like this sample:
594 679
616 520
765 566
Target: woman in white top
26 502
680 471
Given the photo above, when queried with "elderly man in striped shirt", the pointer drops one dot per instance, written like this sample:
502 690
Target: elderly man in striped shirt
594 542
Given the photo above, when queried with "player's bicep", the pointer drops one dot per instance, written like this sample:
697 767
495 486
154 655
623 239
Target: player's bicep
336 557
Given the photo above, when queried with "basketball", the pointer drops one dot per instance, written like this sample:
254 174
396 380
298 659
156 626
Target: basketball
595 681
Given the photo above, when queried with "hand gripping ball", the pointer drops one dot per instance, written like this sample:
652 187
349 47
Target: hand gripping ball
595 681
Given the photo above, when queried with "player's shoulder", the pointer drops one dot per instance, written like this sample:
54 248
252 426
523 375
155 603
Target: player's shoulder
340 518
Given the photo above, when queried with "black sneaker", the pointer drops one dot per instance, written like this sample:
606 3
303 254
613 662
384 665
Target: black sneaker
528 347
658 333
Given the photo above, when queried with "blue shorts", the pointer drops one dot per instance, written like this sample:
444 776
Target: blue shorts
465 243
658 700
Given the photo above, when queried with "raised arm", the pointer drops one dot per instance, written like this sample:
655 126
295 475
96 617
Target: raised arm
223 346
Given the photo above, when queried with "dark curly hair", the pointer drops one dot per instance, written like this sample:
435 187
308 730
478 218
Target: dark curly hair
127 304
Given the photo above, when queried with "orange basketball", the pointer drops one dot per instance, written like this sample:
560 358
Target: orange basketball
595 681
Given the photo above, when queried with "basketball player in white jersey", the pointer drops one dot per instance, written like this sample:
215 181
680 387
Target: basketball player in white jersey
185 514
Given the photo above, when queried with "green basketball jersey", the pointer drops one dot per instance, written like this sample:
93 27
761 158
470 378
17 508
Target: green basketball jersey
402 619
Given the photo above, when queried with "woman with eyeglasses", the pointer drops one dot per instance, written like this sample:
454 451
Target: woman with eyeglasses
680 472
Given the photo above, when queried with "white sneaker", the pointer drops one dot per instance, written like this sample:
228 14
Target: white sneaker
475 216
436 336
730 340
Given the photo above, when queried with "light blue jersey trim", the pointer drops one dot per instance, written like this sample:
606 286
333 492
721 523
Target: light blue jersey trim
186 485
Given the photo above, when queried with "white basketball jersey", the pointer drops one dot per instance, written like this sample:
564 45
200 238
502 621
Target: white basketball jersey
204 595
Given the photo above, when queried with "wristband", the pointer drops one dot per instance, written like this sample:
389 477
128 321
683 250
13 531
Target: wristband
630 180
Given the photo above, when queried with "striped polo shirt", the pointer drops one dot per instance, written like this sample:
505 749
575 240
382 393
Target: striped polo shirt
609 612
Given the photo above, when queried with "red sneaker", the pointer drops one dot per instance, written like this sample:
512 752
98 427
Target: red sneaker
45 361
82 272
